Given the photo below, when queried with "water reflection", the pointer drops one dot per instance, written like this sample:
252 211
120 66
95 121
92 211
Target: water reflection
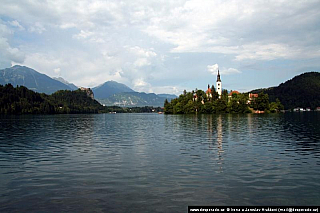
159 163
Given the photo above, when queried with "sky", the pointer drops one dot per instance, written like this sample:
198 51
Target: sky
163 46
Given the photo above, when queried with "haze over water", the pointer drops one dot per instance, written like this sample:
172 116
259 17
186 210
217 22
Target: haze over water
157 163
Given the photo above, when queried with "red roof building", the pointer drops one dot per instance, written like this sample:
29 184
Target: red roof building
253 95
233 92
209 92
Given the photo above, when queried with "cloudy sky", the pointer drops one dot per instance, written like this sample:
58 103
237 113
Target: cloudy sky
163 46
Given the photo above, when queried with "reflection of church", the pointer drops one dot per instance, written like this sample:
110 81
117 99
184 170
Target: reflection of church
218 87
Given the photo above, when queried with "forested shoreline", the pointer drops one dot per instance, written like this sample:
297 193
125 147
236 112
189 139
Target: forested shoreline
21 100
200 102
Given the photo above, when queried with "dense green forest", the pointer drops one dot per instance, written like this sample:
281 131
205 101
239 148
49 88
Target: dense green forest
21 100
301 91
200 102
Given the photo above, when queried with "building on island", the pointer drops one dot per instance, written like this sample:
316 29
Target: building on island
218 87
252 96
209 92
88 91
235 92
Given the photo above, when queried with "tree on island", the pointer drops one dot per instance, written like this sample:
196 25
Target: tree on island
199 102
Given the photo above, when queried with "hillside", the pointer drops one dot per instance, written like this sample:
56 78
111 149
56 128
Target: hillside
21 100
133 99
110 88
24 76
167 96
301 91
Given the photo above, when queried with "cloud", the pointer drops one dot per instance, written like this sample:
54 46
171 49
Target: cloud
141 85
144 56
170 89
229 71
57 71
160 43
213 69
247 30
140 62
15 23
37 27
8 54
142 52
83 34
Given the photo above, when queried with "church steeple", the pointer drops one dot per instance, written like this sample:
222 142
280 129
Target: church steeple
219 84
218 77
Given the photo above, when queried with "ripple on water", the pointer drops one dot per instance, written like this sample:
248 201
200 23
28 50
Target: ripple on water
151 162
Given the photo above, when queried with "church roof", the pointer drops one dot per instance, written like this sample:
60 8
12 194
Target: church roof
218 77
234 92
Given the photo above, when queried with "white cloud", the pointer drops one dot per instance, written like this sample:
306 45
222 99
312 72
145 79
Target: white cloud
8 54
83 34
142 52
236 27
15 23
177 90
37 27
229 71
140 62
213 69
141 85
57 71
140 41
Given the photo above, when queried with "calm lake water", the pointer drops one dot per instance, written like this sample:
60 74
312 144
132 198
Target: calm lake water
157 163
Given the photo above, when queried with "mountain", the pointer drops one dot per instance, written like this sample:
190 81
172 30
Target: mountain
21 75
129 99
109 88
72 86
167 96
301 91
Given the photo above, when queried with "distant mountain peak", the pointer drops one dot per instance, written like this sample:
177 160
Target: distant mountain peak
109 88
30 78
62 80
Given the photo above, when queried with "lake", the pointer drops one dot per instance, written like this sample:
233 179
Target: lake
157 163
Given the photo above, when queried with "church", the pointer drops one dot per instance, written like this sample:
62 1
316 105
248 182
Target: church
252 96
218 87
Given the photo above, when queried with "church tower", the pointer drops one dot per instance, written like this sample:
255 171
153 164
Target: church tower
219 85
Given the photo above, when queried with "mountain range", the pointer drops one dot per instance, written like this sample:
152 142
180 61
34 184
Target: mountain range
301 91
109 93
25 76
134 99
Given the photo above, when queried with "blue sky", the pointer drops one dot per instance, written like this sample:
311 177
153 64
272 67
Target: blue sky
163 46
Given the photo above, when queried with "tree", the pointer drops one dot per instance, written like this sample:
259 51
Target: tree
214 93
261 102
276 106
168 108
